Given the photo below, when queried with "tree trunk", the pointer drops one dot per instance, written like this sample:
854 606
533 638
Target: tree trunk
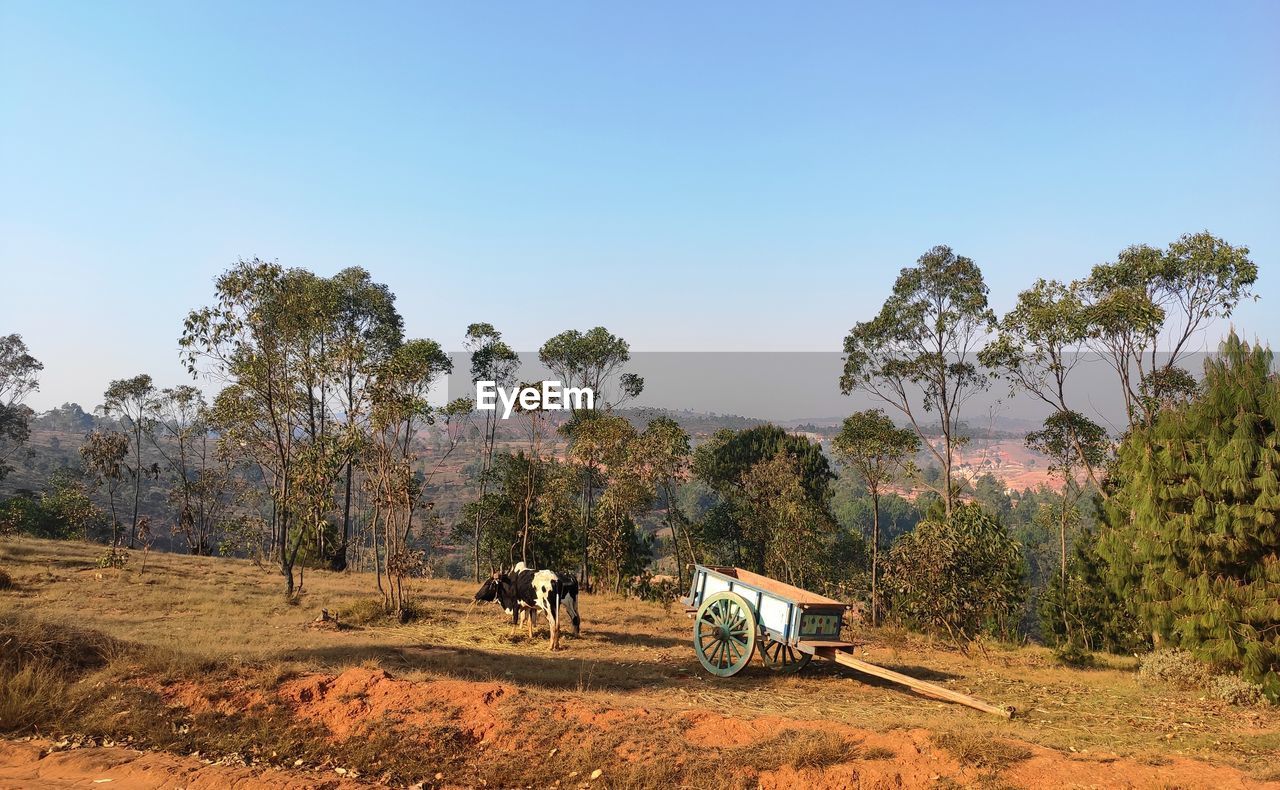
875 557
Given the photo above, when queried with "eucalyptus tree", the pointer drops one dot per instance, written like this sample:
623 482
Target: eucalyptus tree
919 354
665 452
1150 297
132 402
367 329
880 452
254 341
613 443
1071 441
1037 346
19 377
592 359
491 360
395 482
203 486
104 453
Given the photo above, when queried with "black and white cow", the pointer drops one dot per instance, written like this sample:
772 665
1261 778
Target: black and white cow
568 598
524 589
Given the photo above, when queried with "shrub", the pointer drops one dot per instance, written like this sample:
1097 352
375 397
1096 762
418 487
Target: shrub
960 577
1177 667
1235 690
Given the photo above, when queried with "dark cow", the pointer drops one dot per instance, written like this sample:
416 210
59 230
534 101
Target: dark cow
568 597
524 589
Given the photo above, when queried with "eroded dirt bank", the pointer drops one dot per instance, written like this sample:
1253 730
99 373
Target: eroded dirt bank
494 734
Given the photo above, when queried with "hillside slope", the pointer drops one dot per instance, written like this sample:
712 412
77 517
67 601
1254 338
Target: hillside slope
201 655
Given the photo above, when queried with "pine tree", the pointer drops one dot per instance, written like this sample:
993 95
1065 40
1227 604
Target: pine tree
1195 542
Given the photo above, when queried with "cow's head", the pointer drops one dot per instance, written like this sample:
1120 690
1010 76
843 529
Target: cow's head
491 587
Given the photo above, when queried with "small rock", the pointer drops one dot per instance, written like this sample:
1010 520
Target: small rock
596 774
297 763
340 771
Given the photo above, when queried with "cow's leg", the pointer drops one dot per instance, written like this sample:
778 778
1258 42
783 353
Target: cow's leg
553 617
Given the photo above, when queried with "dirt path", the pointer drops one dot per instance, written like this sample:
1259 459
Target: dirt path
28 765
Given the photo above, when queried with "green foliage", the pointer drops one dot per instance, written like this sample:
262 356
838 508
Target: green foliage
879 451
961 577
721 461
592 359
1084 612
925 339
104 454
772 513
1151 300
1195 539
19 373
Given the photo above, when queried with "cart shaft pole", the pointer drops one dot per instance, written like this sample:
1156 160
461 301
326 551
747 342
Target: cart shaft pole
843 658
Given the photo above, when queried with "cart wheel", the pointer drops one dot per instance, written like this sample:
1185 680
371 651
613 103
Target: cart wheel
724 634
780 656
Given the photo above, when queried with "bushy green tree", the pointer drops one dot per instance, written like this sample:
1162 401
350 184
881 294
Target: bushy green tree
960 576
773 495
1195 539
880 452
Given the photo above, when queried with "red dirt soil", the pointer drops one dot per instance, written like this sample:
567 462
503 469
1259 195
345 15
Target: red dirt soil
350 703
28 766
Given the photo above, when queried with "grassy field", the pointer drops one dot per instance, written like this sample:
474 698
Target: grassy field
224 621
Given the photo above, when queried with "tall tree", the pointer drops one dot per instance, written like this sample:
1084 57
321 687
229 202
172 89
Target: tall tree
1037 346
19 377
367 330
880 452
104 454
258 340
664 452
1195 518
203 487
591 359
491 360
398 487
919 354
1071 442
1147 309
132 402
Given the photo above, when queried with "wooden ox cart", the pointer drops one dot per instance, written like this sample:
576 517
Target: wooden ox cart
737 613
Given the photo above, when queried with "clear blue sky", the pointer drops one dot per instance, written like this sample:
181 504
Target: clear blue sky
701 176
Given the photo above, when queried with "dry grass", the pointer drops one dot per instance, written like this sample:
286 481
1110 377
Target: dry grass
190 611
798 749
981 751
